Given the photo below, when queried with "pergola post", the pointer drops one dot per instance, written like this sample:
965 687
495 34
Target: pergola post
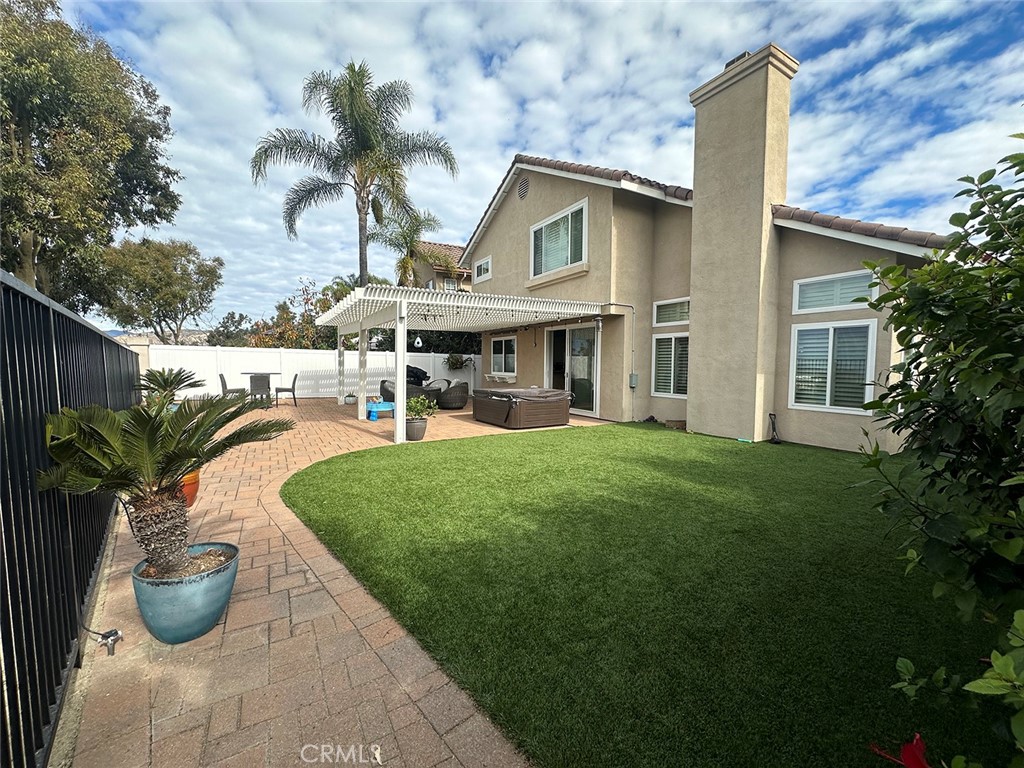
401 336
341 368
363 349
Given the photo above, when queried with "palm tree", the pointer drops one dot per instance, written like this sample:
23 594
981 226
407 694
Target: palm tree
402 232
369 153
143 454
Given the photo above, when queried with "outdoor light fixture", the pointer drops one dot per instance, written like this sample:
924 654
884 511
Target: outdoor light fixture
418 343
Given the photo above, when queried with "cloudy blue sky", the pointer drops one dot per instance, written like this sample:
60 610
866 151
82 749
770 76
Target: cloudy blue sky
893 102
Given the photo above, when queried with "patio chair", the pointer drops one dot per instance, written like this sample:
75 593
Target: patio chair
387 391
441 384
286 390
454 397
260 388
230 392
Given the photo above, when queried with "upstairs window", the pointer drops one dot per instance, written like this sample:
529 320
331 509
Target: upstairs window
832 292
482 270
450 285
559 241
672 312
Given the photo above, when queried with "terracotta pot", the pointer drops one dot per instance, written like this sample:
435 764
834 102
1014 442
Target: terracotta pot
190 485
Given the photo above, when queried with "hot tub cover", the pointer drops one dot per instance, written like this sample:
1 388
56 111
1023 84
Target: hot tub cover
532 393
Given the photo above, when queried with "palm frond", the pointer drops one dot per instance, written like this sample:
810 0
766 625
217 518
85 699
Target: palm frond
423 148
390 100
308 192
292 146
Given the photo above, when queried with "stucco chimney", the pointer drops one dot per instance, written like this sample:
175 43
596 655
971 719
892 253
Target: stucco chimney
740 146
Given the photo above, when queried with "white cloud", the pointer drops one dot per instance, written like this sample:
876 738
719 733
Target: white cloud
893 102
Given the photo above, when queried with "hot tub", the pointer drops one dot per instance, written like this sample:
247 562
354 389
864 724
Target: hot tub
522 408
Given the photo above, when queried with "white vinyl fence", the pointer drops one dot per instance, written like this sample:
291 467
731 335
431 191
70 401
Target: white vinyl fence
317 369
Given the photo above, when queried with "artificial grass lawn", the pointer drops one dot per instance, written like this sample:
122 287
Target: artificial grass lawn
632 595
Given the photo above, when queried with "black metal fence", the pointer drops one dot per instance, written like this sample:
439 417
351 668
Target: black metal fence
50 358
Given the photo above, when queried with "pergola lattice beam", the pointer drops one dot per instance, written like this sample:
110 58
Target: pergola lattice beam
374 306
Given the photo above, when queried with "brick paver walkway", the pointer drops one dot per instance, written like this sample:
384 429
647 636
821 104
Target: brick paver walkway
305 656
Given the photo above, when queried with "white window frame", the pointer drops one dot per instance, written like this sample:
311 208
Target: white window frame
871 363
476 266
430 285
454 285
585 205
515 354
823 278
654 361
654 312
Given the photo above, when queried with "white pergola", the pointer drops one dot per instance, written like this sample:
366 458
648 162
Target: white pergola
419 309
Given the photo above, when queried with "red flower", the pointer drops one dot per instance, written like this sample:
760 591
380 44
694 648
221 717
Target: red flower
911 755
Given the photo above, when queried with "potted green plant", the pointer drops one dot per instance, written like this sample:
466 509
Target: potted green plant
456 362
351 399
164 383
417 410
142 454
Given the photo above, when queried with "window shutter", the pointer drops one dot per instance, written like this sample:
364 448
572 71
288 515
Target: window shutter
837 292
849 366
663 366
576 236
680 377
538 251
817 295
852 287
678 312
556 244
811 366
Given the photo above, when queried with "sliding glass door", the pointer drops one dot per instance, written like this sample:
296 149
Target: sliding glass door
572 364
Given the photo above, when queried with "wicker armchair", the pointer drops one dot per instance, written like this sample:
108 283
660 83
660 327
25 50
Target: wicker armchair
455 397
387 391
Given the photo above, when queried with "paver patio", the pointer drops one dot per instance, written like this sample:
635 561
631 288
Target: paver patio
304 656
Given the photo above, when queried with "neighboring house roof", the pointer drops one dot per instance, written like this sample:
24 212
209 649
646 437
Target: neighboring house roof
448 251
899 238
611 177
910 237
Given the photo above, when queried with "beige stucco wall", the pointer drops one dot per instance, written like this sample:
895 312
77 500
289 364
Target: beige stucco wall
804 254
740 153
507 241
669 278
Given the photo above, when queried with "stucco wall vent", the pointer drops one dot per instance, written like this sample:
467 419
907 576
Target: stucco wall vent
524 187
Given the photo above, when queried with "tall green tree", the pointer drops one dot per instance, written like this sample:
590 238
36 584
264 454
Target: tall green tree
82 142
160 285
233 330
368 154
402 232
294 323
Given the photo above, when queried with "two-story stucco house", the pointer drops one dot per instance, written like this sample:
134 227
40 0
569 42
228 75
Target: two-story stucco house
726 304
716 306
442 273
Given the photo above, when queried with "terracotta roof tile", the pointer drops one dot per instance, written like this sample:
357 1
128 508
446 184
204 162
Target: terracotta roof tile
613 174
857 227
448 251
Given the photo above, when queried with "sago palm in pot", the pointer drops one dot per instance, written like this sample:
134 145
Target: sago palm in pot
142 454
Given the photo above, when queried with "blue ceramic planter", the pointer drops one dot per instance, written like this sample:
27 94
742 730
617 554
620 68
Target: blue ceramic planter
179 610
